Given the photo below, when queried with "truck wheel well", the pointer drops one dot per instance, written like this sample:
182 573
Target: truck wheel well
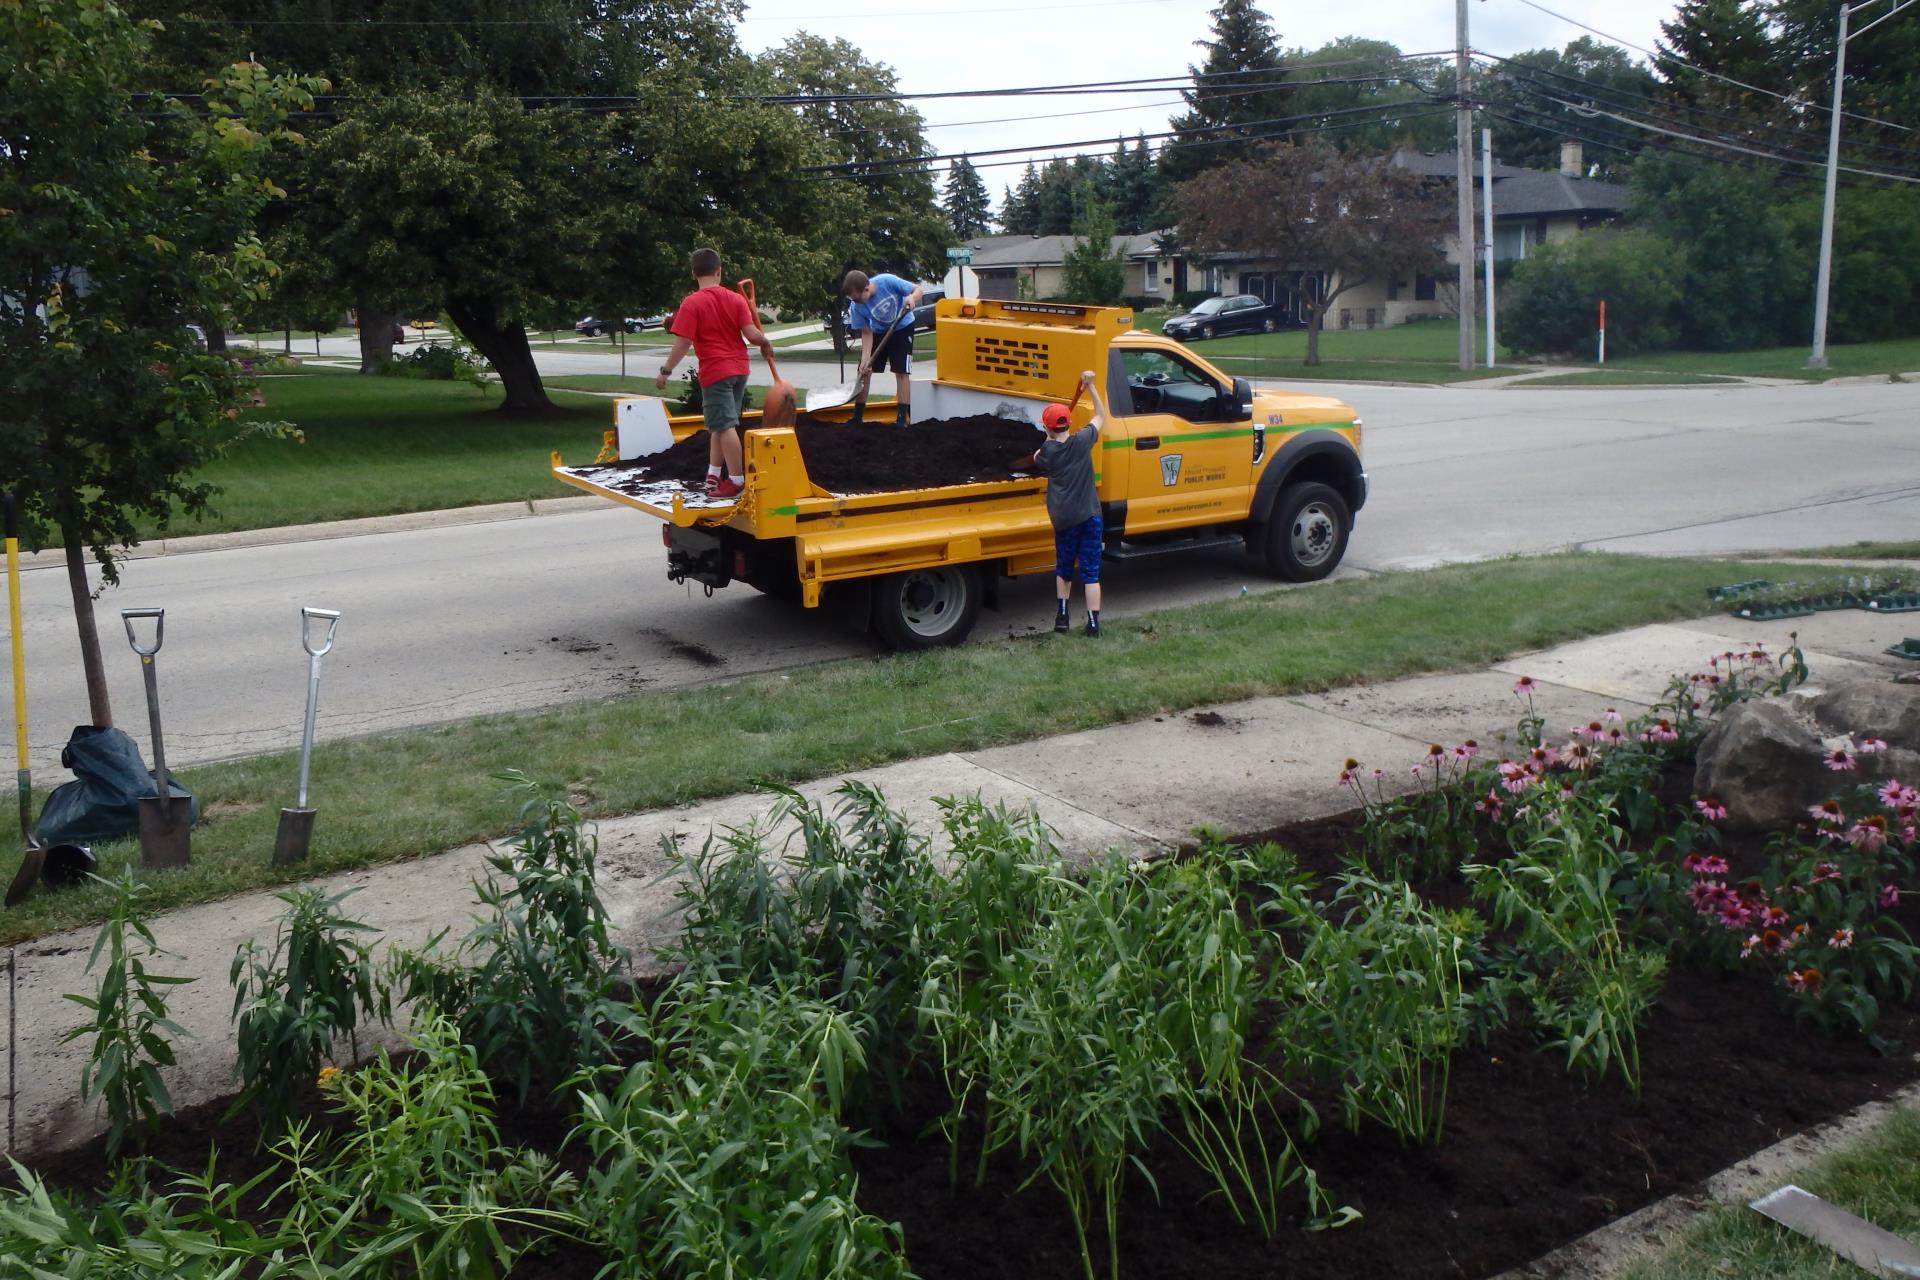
1337 473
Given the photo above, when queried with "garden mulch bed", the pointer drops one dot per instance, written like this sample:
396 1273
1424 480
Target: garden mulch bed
1532 1156
875 458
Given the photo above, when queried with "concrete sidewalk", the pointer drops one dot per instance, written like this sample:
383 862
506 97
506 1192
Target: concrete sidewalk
1241 768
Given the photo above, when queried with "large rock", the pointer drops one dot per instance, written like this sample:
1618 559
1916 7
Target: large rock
1871 709
1763 764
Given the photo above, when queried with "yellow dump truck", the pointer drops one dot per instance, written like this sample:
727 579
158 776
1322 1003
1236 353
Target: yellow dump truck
1191 458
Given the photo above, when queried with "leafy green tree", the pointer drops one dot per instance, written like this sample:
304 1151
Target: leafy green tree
1552 303
1729 38
1737 293
120 220
1133 186
1094 271
1349 219
1876 263
1369 73
1529 88
967 205
886 217
1883 67
1237 85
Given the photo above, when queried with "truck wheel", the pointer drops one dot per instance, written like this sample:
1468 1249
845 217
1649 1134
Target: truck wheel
926 608
1307 532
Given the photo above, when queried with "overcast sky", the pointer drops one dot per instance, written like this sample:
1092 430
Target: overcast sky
944 45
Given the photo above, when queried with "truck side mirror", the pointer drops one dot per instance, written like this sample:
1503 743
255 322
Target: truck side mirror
1242 398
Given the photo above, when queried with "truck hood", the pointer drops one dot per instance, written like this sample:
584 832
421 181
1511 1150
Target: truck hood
1296 404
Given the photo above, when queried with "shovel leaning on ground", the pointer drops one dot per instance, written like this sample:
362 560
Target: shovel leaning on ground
781 407
296 824
166 837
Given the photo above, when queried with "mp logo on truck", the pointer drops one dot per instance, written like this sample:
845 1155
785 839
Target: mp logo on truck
1169 469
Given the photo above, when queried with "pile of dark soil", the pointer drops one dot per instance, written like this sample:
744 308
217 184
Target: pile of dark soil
875 458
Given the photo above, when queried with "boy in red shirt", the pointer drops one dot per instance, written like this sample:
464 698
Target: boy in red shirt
712 320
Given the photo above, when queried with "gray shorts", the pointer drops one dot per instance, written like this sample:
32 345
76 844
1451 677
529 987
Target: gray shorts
721 402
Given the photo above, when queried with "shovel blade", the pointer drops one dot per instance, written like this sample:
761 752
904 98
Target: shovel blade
290 843
780 407
32 860
166 832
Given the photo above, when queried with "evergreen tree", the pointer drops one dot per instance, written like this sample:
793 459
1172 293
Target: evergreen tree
1529 87
1883 66
1093 271
1132 180
966 200
1020 210
1063 191
1726 37
1238 86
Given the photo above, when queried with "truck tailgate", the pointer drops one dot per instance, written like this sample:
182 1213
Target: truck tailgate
629 486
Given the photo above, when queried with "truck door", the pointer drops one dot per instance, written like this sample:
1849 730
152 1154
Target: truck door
1189 455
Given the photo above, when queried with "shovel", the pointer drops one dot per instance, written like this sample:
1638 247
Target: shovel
165 838
62 861
296 824
780 409
834 397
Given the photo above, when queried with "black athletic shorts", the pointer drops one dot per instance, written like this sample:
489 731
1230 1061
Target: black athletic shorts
895 355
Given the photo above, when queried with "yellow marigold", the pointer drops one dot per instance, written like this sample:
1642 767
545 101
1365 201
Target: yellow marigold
326 1076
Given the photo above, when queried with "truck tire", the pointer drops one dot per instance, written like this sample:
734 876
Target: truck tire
1307 532
927 608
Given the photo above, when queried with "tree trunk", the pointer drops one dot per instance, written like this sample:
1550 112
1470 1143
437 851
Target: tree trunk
100 707
376 335
504 343
216 331
1314 312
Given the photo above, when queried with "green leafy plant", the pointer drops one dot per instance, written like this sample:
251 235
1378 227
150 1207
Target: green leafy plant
291 1003
721 1154
128 1025
1590 987
1377 1000
440 362
532 986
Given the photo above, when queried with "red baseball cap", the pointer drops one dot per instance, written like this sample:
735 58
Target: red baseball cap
1055 416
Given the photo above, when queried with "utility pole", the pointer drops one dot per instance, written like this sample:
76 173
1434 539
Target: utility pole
1817 359
1486 227
1463 182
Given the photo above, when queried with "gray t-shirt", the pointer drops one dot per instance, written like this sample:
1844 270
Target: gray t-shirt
1068 466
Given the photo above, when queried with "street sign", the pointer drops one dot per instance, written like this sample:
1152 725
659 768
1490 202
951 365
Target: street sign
962 255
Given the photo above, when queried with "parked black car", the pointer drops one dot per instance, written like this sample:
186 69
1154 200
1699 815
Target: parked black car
590 327
1242 313
923 314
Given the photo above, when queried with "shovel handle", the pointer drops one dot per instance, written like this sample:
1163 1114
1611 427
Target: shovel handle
753 304
308 614
159 616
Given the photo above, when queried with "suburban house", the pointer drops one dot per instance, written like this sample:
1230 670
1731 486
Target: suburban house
1531 207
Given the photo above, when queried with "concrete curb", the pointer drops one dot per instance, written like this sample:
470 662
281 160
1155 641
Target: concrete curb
281 535
1611 1249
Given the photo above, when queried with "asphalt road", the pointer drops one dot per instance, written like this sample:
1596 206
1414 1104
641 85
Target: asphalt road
446 623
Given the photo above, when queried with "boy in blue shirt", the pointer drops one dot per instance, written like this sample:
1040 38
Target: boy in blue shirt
1073 505
883 305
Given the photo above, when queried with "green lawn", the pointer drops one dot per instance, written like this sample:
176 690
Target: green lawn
1908 550
1896 356
376 446
414 793
1877 1178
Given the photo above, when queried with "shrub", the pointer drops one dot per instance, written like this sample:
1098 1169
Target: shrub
439 362
1552 306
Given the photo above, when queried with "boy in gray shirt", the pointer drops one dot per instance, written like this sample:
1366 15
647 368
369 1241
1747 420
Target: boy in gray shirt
1066 459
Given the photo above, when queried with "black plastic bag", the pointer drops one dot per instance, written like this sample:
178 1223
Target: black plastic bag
103 800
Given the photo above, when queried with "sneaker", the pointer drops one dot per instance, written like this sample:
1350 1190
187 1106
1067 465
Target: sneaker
1093 629
1060 624
724 487
706 486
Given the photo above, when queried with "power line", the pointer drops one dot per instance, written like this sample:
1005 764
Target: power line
1731 146
1679 62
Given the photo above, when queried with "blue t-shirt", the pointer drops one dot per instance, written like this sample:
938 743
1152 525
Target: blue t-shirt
882 313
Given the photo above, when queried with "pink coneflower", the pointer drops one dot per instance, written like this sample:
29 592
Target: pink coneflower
1435 750
1840 760
1869 835
1711 809
1806 981
1871 746
1590 731
1889 895
1416 771
1708 896
1825 871
1659 731
1828 812
1841 939
1525 684
1543 757
1615 737
1695 863
1748 947
1578 755
1348 778
1490 806
1515 778
1610 716
1713 865
1379 774
1890 792
1796 933
1471 748
1773 917
1736 914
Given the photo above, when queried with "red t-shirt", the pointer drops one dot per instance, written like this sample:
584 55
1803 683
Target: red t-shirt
711 319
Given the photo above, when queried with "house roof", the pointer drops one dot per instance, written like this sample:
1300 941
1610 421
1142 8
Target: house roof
1047 251
1523 193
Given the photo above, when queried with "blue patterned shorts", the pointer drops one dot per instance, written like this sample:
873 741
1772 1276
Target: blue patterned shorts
1078 548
